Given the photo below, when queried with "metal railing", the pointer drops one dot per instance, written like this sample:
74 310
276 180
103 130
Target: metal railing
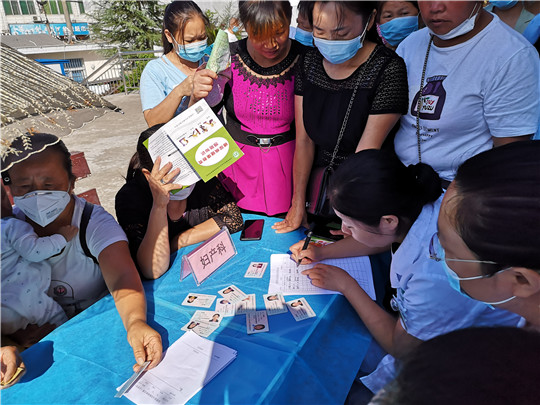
121 73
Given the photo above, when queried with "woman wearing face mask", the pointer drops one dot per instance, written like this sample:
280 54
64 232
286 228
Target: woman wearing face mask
479 86
346 64
171 83
303 32
512 13
41 181
158 222
259 104
489 229
384 205
396 20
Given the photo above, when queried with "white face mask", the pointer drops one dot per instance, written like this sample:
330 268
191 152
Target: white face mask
182 194
462 29
43 206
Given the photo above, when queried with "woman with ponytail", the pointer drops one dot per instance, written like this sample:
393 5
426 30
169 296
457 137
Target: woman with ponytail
171 83
385 205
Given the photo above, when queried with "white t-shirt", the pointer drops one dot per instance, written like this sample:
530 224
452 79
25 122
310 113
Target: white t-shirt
76 281
484 87
428 305
26 276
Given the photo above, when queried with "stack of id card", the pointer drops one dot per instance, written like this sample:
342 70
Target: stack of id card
203 323
300 309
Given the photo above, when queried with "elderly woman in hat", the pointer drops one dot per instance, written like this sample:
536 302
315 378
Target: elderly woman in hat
37 169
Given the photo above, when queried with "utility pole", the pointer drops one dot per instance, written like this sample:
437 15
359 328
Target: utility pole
47 23
68 22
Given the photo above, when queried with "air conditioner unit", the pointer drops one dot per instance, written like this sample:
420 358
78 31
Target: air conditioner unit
37 19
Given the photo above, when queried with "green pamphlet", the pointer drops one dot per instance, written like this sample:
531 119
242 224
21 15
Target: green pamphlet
196 142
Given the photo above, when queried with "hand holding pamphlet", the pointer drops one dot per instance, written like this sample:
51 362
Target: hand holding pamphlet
196 142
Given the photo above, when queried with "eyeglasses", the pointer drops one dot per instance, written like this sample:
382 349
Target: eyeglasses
436 252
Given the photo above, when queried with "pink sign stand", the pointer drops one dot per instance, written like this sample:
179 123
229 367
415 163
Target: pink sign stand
208 257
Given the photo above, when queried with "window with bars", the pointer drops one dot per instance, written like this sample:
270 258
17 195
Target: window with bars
74 69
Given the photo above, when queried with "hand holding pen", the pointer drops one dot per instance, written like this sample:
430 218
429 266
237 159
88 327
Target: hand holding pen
306 244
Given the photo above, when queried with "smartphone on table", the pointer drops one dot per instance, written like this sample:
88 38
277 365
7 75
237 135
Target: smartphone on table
253 229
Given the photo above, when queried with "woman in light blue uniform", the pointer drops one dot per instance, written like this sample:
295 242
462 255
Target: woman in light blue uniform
385 205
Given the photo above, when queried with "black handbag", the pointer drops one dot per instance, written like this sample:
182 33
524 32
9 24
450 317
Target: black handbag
317 202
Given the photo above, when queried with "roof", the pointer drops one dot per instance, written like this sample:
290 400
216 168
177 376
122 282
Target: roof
35 98
30 41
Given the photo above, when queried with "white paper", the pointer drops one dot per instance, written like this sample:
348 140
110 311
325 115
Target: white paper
286 277
189 364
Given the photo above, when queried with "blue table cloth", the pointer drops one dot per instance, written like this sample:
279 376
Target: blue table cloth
310 362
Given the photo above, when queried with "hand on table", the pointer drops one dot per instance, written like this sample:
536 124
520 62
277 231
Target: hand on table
158 180
329 277
296 217
310 255
10 362
146 344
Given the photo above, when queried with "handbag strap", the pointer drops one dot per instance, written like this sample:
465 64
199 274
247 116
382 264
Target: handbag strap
342 130
420 102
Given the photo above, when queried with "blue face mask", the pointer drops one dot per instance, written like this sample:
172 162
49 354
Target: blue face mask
337 52
304 37
504 5
235 29
191 52
454 279
396 30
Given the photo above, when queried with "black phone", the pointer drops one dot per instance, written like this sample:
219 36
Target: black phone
253 229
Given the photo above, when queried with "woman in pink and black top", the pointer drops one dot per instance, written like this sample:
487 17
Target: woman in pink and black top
259 103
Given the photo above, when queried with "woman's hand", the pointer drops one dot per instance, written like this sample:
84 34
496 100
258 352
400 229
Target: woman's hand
10 363
330 277
158 180
185 88
146 344
310 255
296 217
203 81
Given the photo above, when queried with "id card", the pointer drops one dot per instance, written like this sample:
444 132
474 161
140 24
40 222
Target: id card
199 300
300 309
201 328
256 270
274 303
207 316
233 294
225 307
257 322
246 305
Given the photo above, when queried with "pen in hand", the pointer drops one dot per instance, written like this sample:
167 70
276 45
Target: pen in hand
306 244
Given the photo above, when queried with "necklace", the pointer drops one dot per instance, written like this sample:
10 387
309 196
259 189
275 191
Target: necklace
420 100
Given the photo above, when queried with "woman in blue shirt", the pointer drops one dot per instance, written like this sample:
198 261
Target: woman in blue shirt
169 84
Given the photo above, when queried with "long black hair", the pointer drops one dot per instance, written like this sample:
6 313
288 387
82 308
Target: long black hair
373 183
177 15
497 205
141 159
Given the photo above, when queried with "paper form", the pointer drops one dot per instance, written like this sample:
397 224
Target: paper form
286 277
189 364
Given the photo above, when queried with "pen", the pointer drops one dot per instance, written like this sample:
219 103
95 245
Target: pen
306 244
